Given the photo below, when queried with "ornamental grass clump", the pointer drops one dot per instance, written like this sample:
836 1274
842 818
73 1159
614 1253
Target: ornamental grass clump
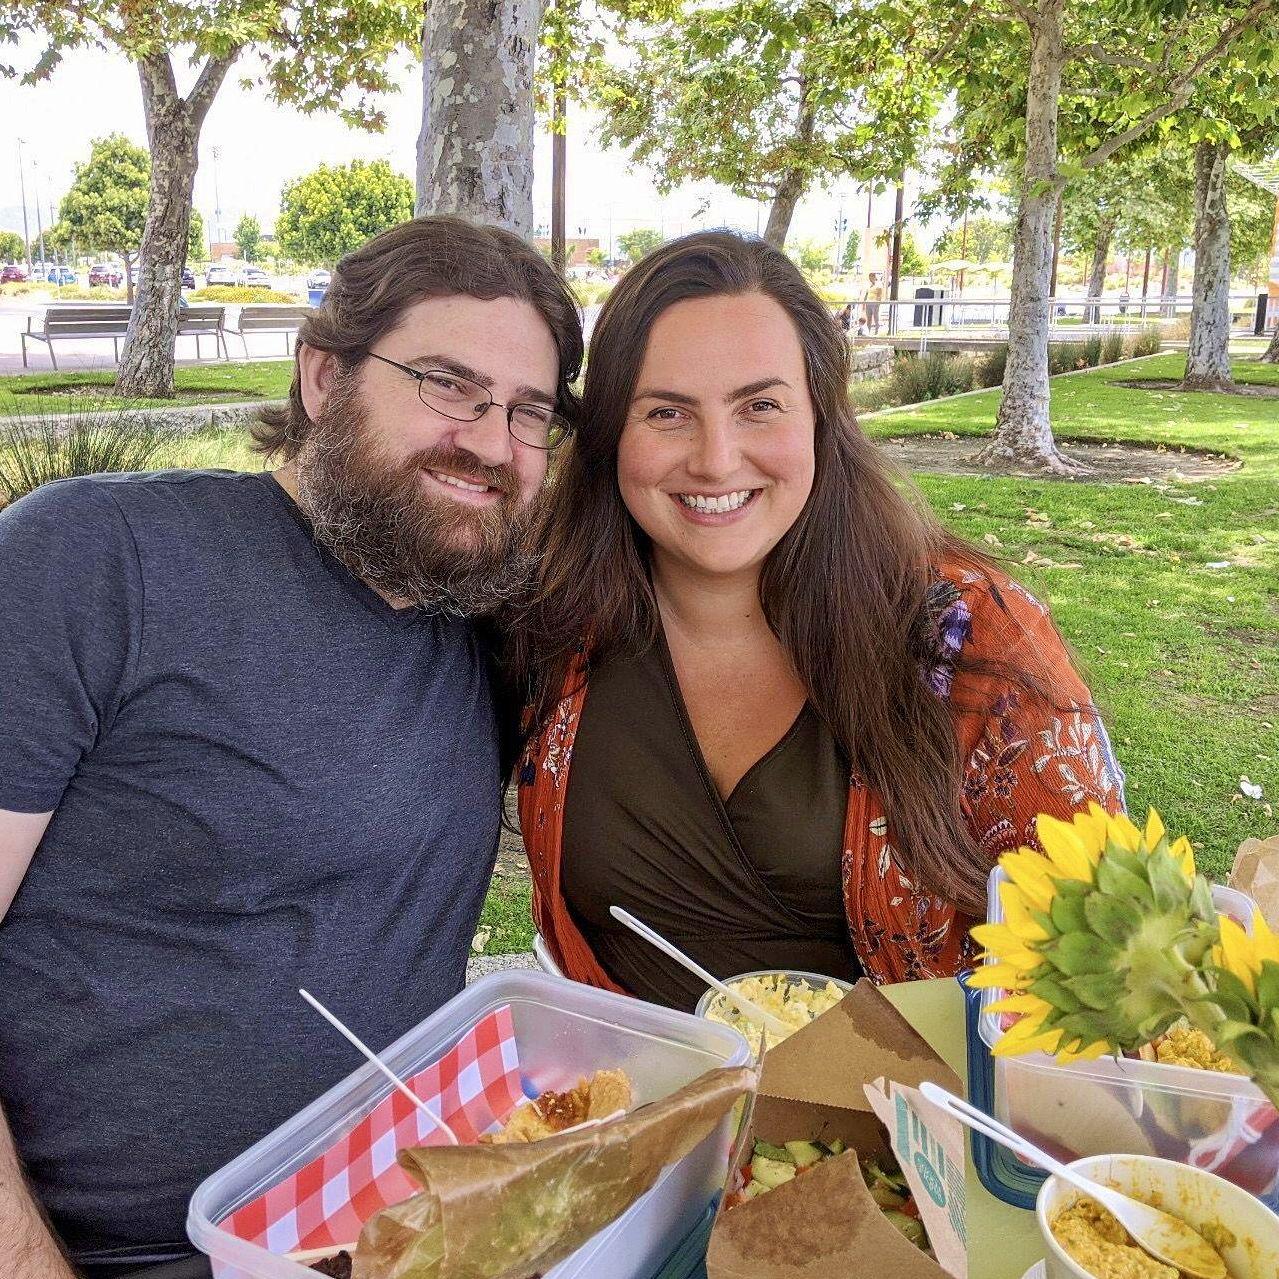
1110 937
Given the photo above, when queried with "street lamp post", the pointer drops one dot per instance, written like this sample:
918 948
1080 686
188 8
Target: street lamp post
26 231
35 170
217 198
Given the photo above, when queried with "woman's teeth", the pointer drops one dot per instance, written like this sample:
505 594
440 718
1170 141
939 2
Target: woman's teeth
717 505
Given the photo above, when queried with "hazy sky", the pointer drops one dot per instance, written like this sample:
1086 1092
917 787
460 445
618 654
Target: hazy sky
262 145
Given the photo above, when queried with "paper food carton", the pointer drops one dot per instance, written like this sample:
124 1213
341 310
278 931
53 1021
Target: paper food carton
849 1075
1256 873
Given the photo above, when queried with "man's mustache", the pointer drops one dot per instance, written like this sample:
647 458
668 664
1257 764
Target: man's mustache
455 461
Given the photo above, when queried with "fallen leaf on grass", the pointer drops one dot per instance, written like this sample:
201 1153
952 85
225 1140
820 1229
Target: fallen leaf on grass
991 540
1251 789
481 939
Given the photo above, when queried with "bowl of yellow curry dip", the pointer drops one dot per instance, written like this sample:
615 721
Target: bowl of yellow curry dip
1083 1241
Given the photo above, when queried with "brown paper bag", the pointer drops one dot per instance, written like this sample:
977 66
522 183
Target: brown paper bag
1256 872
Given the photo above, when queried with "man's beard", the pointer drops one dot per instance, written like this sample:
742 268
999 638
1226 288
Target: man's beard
381 521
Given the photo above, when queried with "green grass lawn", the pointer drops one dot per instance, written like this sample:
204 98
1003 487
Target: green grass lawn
1184 658
202 383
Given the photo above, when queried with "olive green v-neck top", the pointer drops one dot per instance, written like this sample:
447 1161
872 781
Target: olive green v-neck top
743 883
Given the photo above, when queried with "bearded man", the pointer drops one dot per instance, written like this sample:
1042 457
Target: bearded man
248 743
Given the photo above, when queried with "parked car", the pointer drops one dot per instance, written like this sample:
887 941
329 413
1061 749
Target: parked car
14 273
254 277
105 273
320 279
61 275
219 275
188 278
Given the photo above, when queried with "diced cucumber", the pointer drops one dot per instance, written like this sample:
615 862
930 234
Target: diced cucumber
836 1147
782 1154
772 1172
805 1153
885 1197
755 1188
911 1227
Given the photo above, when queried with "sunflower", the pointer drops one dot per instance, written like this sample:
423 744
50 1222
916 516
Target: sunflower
1109 936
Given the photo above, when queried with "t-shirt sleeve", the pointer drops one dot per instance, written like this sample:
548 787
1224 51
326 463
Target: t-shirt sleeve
70 632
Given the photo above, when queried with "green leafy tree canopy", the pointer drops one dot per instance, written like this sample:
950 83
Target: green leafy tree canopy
852 244
334 209
988 239
106 208
12 249
639 243
197 248
248 238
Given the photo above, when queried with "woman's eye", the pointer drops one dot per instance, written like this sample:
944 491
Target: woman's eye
764 406
665 417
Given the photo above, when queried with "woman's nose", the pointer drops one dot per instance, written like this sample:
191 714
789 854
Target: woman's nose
715 453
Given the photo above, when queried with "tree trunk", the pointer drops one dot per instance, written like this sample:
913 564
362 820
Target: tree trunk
789 193
1271 355
1172 272
1057 220
475 150
1097 272
1208 353
1023 433
173 134
128 277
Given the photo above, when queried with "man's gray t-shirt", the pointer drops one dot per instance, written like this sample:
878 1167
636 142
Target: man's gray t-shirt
262 777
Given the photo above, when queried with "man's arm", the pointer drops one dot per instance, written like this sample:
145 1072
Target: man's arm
32 1251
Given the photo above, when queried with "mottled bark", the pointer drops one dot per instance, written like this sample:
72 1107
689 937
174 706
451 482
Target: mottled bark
475 150
1023 437
173 135
1172 273
792 186
128 277
1208 352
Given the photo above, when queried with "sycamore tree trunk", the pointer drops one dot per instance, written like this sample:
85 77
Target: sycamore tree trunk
173 134
1023 437
1097 272
1172 273
475 149
1208 354
1271 355
128 277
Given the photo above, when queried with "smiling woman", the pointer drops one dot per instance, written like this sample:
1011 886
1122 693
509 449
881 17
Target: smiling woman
807 717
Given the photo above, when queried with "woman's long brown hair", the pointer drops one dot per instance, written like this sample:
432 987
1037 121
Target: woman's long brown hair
845 590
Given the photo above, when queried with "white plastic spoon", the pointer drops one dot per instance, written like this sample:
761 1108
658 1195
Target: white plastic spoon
1163 1236
749 1007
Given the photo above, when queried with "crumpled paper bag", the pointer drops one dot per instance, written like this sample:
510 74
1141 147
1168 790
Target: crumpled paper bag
514 1211
1256 872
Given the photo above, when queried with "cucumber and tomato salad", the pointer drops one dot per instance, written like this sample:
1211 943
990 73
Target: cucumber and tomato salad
771 1166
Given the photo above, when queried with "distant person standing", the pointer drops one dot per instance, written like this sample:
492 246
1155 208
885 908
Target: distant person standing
874 296
844 316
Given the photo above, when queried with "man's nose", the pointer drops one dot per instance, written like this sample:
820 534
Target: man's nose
487 438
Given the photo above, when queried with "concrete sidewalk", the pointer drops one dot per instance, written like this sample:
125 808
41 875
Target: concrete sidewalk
482 965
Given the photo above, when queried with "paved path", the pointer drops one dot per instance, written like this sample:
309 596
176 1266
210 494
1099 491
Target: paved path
482 965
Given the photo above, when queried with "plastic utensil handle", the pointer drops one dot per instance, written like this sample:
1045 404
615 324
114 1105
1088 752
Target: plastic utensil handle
377 1061
667 948
990 1127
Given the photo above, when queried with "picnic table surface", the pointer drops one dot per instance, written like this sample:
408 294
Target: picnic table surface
1003 1241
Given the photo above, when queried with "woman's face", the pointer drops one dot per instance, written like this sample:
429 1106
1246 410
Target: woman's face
716 462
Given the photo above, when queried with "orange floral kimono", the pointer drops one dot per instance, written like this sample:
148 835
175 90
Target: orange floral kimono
1021 758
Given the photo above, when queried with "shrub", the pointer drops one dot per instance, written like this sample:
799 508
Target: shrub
239 293
1092 350
931 377
1112 348
873 393
1148 342
83 437
1065 357
989 368
588 292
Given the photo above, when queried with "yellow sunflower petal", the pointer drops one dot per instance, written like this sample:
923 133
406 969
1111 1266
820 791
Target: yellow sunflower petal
998 976
1120 828
1090 1053
1237 953
1017 914
1026 1037
1030 872
1065 848
1092 827
1000 940
1265 943
1155 829
1184 854
1023 1003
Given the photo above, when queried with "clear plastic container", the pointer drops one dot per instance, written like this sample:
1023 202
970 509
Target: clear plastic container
563 1031
1124 1105
816 980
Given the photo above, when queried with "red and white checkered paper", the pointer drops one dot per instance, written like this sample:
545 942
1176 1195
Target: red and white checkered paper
474 1086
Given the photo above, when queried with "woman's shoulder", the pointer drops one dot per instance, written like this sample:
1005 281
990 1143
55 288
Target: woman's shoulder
980 598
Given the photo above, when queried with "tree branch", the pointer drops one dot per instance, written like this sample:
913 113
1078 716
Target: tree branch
1098 53
207 84
1182 86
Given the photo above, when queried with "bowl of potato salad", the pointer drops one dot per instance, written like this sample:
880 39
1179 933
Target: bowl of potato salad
794 998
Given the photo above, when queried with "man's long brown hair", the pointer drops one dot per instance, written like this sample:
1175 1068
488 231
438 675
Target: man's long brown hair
845 590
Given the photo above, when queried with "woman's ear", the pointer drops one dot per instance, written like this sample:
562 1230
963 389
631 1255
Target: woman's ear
317 370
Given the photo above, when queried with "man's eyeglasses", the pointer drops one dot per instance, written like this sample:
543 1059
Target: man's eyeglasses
463 400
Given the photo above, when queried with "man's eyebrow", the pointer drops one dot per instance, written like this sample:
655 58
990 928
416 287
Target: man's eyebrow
678 397
450 365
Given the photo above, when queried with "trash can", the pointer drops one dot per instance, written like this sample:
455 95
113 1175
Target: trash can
1263 308
928 316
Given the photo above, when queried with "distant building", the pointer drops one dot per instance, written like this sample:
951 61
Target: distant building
577 249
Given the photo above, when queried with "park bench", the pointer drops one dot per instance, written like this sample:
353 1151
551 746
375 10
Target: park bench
268 317
69 321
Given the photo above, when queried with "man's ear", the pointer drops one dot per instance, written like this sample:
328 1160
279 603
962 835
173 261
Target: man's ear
318 370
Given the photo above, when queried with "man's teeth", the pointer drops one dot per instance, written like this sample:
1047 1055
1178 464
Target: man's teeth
716 505
460 484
